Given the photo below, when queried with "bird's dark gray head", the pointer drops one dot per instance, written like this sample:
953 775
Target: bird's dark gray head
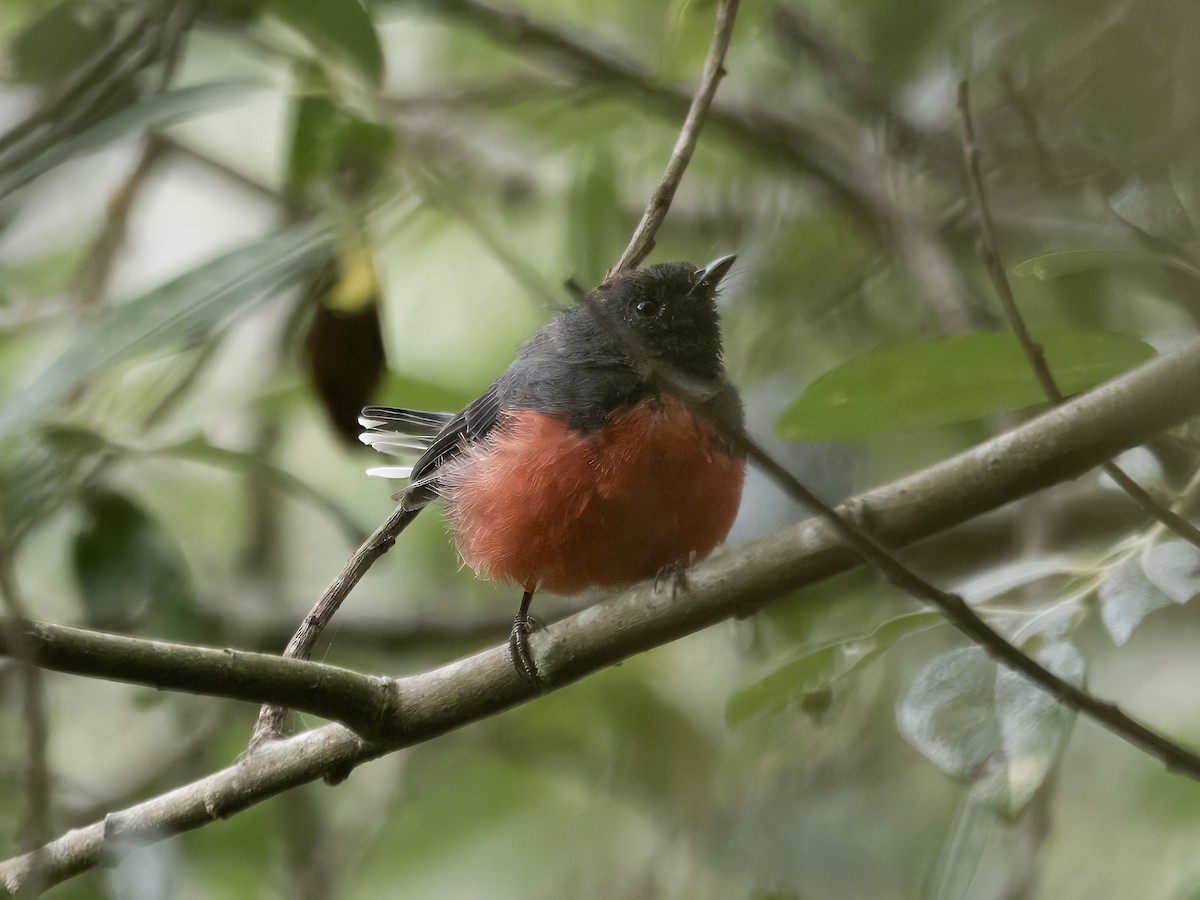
581 364
671 308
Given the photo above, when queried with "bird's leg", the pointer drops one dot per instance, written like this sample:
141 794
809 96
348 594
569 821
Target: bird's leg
518 643
676 574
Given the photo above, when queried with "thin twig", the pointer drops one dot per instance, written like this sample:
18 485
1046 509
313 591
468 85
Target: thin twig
875 554
97 269
272 720
642 241
236 177
1033 351
895 190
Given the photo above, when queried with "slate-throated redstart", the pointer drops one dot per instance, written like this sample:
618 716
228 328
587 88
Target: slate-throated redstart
573 470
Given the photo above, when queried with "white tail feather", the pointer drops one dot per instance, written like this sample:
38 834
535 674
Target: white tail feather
391 471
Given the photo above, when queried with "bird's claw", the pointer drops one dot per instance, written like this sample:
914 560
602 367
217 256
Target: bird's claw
518 648
676 574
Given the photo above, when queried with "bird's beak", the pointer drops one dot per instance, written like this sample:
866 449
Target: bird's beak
710 276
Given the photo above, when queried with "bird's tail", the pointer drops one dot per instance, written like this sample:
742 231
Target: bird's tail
400 432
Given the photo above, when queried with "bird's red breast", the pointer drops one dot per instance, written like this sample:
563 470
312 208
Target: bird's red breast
548 507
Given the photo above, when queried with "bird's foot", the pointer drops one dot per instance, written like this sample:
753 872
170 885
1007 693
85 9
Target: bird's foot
675 574
518 648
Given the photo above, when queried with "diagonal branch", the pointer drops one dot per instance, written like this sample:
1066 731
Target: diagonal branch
1060 444
272 719
642 241
1033 351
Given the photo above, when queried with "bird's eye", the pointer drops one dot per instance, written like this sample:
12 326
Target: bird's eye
646 307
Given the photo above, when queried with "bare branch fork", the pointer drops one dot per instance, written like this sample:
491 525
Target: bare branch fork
994 264
1062 443
272 720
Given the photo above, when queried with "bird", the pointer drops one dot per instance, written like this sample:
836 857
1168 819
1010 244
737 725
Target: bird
578 467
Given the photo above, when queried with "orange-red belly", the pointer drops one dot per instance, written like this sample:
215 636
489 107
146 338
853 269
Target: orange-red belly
553 509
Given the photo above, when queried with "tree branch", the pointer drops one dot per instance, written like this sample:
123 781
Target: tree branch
272 720
1058 445
327 691
98 267
1033 351
642 241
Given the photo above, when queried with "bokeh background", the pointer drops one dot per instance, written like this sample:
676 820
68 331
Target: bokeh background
226 225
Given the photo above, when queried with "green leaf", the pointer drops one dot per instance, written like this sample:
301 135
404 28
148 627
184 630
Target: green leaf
131 573
333 149
1152 207
988 725
1174 568
1168 573
953 380
790 686
307 160
341 26
1127 596
230 13
155 112
179 313
804 683
57 41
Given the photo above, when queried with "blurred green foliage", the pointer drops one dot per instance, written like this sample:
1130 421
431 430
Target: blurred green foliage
197 197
